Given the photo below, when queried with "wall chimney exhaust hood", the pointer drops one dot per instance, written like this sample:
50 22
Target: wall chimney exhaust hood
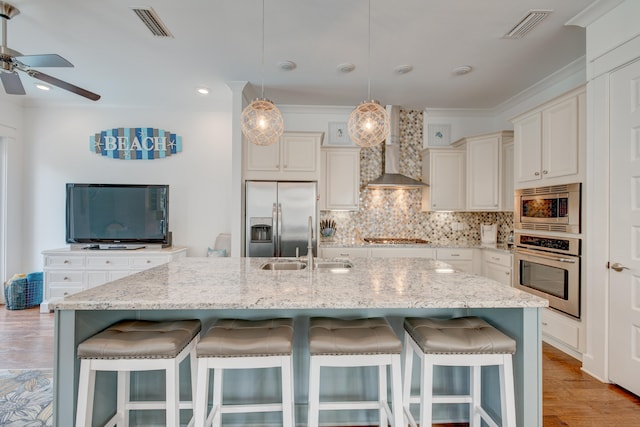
391 177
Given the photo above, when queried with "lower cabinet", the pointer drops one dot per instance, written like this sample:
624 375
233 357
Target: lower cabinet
459 258
498 266
562 332
386 252
68 271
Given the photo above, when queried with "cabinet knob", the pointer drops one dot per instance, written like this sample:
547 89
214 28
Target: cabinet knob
455 254
107 262
545 172
66 261
507 273
537 174
148 261
65 278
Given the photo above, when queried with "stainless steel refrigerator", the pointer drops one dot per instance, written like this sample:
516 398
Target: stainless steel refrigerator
277 218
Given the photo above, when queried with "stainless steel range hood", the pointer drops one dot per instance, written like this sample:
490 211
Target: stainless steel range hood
391 177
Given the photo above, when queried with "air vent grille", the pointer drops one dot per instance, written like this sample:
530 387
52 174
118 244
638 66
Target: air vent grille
545 190
527 23
153 22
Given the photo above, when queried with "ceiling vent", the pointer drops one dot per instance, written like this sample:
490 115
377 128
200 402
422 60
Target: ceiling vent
526 24
153 22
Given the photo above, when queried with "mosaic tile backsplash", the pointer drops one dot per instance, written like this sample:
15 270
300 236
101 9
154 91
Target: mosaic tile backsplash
397 213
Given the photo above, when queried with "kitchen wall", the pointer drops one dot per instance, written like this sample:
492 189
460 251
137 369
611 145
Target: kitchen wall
397 213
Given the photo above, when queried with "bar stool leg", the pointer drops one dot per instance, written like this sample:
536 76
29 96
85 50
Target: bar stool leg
201 401
408 369
87 383
426 392
123 397
396 391
507 392
172 394
217 397
287 392
314 393
475 383
382 393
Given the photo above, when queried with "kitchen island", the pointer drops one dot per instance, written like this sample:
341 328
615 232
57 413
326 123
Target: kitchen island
211 288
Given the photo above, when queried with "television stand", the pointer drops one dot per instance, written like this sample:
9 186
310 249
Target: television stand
116 246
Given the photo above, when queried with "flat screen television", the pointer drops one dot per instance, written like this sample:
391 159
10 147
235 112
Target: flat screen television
117 214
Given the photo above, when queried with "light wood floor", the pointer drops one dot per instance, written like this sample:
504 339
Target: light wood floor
571 397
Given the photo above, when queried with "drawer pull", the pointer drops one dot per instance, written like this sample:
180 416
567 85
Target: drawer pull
66 261
455 254
545 324
495 258
148 261
107 262
342 254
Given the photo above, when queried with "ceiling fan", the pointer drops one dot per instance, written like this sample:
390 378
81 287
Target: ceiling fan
11 60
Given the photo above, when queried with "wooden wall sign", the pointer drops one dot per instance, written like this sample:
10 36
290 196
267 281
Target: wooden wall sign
135 143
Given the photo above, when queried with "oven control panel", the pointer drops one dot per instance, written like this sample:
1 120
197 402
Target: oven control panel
565 245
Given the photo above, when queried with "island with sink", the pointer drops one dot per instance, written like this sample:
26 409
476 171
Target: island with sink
252 288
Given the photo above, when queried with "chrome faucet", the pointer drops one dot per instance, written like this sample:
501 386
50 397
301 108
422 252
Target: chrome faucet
310 245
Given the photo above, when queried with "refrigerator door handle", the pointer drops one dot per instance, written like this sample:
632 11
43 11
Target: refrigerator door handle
275 231
279 253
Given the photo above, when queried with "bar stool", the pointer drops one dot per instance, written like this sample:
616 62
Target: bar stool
244 344
137 345
355 343
463 341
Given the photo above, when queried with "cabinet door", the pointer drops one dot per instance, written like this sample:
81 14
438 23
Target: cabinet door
483 179
507 177
299 152
528 145
341 179
263 158
498 273
560 139
447 180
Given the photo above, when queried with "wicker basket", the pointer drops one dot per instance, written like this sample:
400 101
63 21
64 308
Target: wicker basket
23 291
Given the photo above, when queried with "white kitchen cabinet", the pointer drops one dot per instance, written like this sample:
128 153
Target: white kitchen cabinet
459 258
562 332
444 170
344 253
386 252
67 271
550 140
498 266
484 170
295 156
508 177
340 181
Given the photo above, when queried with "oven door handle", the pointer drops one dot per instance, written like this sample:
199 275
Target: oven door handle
551 257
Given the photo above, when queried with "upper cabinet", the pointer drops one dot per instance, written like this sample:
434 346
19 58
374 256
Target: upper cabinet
550 140
444 170
296 156
340 182
486 170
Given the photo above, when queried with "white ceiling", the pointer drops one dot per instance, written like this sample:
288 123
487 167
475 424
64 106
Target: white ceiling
216 41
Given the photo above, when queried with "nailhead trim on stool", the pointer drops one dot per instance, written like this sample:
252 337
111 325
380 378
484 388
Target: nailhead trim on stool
463 341
355 343
137 345
244 344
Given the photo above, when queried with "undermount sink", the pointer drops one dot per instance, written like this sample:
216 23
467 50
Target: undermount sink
333 264
283 265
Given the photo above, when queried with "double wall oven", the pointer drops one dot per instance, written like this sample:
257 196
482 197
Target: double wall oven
549 265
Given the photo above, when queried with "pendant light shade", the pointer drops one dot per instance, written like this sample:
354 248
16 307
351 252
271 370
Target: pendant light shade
262 122
369 122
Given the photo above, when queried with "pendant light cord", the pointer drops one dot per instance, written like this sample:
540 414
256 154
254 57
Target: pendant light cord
369 59
262 60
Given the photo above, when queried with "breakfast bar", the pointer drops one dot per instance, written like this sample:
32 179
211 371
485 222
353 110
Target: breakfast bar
253 288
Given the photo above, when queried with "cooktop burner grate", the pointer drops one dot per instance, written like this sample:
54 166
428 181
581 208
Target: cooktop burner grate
395 240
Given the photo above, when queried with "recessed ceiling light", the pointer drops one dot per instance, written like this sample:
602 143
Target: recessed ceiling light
346 67
462 70
287 65
403 69
203 91
42 86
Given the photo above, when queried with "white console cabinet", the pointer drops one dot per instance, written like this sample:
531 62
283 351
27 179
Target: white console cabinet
67 271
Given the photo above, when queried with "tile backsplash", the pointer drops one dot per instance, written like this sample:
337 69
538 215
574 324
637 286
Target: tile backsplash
397 213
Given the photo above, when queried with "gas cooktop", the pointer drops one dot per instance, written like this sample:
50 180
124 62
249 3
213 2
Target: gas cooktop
395 241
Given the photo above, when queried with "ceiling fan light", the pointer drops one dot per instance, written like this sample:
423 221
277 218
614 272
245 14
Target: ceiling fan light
262 122
368 124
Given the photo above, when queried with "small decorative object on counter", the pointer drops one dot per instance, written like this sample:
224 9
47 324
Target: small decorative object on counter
327 229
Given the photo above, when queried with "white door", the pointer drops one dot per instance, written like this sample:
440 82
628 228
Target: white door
624 279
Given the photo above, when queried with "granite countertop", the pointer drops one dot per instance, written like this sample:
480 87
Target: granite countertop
239 283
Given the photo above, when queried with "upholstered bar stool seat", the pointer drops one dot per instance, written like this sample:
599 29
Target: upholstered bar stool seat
463 341
244 344
355 343
137 345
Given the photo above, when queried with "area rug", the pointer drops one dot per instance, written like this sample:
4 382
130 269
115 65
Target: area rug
26 398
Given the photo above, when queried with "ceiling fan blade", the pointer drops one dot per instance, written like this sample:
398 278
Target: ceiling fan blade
49 60
63 85
12 84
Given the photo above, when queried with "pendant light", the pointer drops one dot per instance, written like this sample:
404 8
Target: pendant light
261 121
369 122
